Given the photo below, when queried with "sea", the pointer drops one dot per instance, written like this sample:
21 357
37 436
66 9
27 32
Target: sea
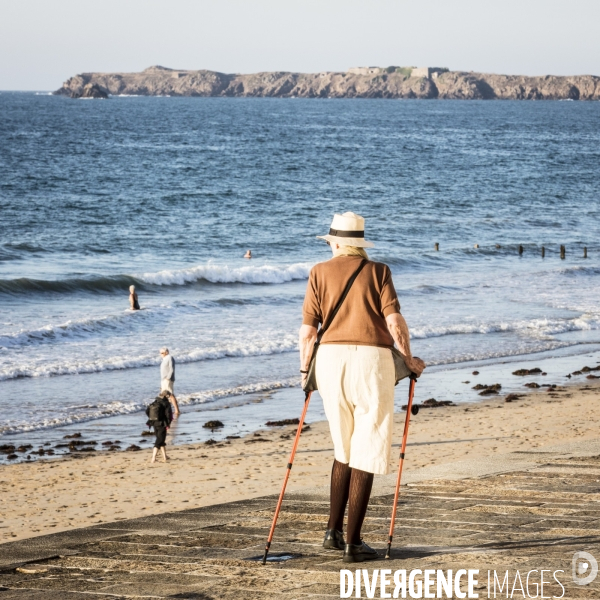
167 194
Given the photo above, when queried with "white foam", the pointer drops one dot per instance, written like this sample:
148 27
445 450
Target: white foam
534 327
76 365
78 356
81 414
529 349
106 326
224 274
79 329
68 330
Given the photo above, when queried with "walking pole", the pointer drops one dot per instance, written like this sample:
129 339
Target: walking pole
411 393
287 476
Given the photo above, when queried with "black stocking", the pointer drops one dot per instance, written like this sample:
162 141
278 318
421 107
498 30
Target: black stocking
340 486
361 484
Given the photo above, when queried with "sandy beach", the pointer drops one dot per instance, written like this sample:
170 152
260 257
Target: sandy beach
65 493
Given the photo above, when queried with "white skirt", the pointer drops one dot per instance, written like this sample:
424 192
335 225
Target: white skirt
166 384
357 387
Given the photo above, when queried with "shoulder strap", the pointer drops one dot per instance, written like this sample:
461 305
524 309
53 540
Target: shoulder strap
326 325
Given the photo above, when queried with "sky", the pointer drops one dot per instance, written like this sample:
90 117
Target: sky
44 42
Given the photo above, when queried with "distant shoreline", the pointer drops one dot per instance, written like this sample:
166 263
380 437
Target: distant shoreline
372 82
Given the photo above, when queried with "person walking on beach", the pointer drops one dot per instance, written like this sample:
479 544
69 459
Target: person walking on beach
167 376
133 298
355 373
160 415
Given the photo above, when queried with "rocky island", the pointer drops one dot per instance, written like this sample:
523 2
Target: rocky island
360 82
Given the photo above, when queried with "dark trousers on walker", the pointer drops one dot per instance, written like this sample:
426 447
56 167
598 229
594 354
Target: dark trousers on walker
161 436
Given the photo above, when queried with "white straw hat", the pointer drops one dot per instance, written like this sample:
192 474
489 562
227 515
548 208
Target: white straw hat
347 230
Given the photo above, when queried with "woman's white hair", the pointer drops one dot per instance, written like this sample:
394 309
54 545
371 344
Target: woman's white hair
350 251
132 288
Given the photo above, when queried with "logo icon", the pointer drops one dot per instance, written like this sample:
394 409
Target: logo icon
585 568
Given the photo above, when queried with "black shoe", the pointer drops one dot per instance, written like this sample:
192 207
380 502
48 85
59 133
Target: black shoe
359 553
334 540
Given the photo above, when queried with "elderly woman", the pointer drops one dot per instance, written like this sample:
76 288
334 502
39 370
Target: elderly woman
355 373
133 298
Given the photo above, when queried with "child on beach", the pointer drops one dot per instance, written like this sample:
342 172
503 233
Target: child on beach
160 415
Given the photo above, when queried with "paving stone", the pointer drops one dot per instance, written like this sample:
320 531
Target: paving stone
160 589
52 595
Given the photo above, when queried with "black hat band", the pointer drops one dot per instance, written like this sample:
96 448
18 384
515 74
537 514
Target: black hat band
348 234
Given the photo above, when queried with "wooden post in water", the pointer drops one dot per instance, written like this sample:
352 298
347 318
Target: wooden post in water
543 252
585 252
436 246
562 252
520 250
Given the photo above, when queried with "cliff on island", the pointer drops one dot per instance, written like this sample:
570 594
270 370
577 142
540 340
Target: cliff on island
361 82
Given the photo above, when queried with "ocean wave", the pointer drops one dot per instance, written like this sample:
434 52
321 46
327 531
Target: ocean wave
210 273
18 251
426 289
25 364
66 331
538 327
579 271
26 285
83 413
530 349
224 274
74 366
126 321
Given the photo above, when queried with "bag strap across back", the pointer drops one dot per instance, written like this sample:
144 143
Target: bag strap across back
326 325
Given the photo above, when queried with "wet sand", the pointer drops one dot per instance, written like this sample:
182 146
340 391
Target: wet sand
65 493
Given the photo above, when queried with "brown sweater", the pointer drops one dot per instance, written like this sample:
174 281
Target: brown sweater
361 319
